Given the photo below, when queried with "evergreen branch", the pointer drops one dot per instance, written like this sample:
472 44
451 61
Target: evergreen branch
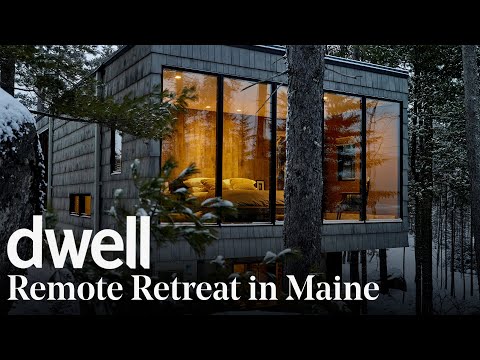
60 117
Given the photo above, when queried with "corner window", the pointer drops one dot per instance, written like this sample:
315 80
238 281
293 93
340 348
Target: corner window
80 205
383 159
116 151
342 157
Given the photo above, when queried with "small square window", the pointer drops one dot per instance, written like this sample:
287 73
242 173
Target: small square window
80 205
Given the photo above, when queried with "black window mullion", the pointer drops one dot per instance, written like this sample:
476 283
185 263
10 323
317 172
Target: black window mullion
160 141
219 135
323 158
363 180
400 160
112 150
273 153
81 209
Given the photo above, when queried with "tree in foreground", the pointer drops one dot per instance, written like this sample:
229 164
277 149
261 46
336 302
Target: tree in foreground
470 76
304 180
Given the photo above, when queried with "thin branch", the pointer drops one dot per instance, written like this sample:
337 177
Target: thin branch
276 89
60 117
24 89
280 58
339 73
34 91
263 81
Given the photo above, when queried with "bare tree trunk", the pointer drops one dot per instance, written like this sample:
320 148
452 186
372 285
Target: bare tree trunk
382 253
304 173
471 255
439 232
418 261
462 249
354 264
7 74
354 277
363 259
446 240
452 253
470 78
423 215
354 274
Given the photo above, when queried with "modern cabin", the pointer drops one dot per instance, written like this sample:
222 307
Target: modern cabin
236 137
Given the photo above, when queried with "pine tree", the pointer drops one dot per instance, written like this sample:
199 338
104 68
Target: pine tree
435 129
470 74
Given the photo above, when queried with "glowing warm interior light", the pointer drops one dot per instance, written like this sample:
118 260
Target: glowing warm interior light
178 77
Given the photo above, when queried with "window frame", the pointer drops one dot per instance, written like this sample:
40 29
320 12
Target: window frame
113 164
274 86
363 158
81 205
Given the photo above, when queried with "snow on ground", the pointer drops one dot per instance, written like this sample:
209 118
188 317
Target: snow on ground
13 115
398 302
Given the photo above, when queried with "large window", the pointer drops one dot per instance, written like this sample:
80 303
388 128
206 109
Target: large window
194 139
342 148
233 149
246 148
383 159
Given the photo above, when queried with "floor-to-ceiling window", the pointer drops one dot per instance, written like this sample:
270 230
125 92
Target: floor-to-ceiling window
342 157
383 159
246 142
194 138
246 148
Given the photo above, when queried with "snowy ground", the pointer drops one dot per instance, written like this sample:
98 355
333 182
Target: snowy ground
398 302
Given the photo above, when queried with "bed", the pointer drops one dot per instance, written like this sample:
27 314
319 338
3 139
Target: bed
251 205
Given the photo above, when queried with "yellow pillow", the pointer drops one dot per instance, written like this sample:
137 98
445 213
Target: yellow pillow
197 189
194 182
209 184
226 185
242 184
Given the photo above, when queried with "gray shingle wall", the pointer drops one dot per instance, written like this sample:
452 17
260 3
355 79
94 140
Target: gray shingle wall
224 59
72 170
255 241
42 123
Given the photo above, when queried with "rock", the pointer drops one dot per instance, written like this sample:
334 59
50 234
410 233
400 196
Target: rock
21 182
